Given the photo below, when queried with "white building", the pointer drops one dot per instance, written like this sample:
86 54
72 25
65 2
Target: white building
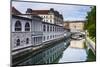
50 16
52 31
20 33
26 31
29 31
37 32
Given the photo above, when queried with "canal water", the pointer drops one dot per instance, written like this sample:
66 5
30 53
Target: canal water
66 51
75 52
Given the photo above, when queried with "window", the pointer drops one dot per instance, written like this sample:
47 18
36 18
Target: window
50 20
27 41
51 37
44 28
47 37
53 28
44 16
46 20
74 26
50 17
44 38
18 42
47 27
18 26
50 28
27 27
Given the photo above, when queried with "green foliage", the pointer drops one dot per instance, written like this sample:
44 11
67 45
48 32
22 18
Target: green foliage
90 24
91 30
91 56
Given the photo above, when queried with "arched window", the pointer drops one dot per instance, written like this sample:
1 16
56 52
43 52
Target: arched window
18 42
27 41
18 26
27 27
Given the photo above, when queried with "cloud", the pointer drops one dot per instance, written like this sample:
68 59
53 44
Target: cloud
70 12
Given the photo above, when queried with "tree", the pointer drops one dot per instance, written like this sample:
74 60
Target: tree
90 24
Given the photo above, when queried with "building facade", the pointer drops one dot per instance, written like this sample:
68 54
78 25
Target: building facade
29 31
74 26
51 31
21 33
26 31
50 16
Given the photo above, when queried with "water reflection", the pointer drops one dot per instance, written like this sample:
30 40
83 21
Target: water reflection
75 52
59 53
50 55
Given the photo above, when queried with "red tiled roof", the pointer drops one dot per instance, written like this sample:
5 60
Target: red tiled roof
15 11
56 13
40 11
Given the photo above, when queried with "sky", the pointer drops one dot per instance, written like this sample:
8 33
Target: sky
70 12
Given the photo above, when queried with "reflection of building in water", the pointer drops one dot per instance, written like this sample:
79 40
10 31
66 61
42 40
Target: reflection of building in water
47 56
77 43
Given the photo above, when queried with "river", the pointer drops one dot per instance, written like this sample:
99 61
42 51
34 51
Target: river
75 52
66 51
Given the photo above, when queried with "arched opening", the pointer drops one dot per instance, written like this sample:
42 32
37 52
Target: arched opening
27 27
18 26
18 42
27 41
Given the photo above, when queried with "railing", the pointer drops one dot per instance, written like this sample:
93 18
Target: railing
91 45
37 33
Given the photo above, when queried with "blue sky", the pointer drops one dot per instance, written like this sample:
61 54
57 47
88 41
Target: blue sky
69 12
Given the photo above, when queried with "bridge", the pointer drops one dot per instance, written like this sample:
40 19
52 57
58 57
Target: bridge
89 43
78 35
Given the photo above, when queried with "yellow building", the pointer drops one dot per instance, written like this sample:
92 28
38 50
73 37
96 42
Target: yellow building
74 26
